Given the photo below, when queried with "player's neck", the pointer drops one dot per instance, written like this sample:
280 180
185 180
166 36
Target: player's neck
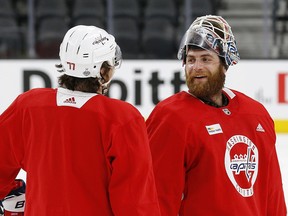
218 100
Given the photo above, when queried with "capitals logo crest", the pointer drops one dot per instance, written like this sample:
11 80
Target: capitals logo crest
241 163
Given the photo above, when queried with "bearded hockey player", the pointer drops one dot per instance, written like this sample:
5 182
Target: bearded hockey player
213 148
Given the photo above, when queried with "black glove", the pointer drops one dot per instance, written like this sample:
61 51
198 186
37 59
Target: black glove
1 209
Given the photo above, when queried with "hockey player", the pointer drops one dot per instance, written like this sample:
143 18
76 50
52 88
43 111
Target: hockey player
213 148
84 153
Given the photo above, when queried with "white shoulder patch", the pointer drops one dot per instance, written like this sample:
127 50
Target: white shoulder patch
229 93
70 98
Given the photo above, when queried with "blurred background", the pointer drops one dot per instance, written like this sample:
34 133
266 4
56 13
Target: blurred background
144 29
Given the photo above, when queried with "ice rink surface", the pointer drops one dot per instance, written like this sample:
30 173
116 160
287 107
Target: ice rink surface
282 150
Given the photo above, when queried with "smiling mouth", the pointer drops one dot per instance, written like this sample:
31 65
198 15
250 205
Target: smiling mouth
200 77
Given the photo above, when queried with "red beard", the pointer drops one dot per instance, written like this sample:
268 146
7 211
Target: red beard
207 89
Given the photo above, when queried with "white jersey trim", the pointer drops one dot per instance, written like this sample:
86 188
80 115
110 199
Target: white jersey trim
77 99
229 93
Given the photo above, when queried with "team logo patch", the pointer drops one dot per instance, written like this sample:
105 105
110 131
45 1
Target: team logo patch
241 163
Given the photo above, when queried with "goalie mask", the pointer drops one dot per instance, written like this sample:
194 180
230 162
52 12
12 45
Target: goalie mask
211 33
84 49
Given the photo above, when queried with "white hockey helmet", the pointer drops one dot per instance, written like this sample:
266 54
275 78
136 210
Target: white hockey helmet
213 33
85 48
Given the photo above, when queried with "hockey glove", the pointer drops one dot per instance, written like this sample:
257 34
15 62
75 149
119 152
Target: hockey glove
14 202
1 209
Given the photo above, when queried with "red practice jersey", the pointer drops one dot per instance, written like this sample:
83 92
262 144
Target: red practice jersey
84 154
215 161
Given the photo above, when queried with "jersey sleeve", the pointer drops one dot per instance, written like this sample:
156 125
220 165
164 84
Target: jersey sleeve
168 151
10 148
276 201
132 188
276 198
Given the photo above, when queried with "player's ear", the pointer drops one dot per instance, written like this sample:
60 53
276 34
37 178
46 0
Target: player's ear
106 73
